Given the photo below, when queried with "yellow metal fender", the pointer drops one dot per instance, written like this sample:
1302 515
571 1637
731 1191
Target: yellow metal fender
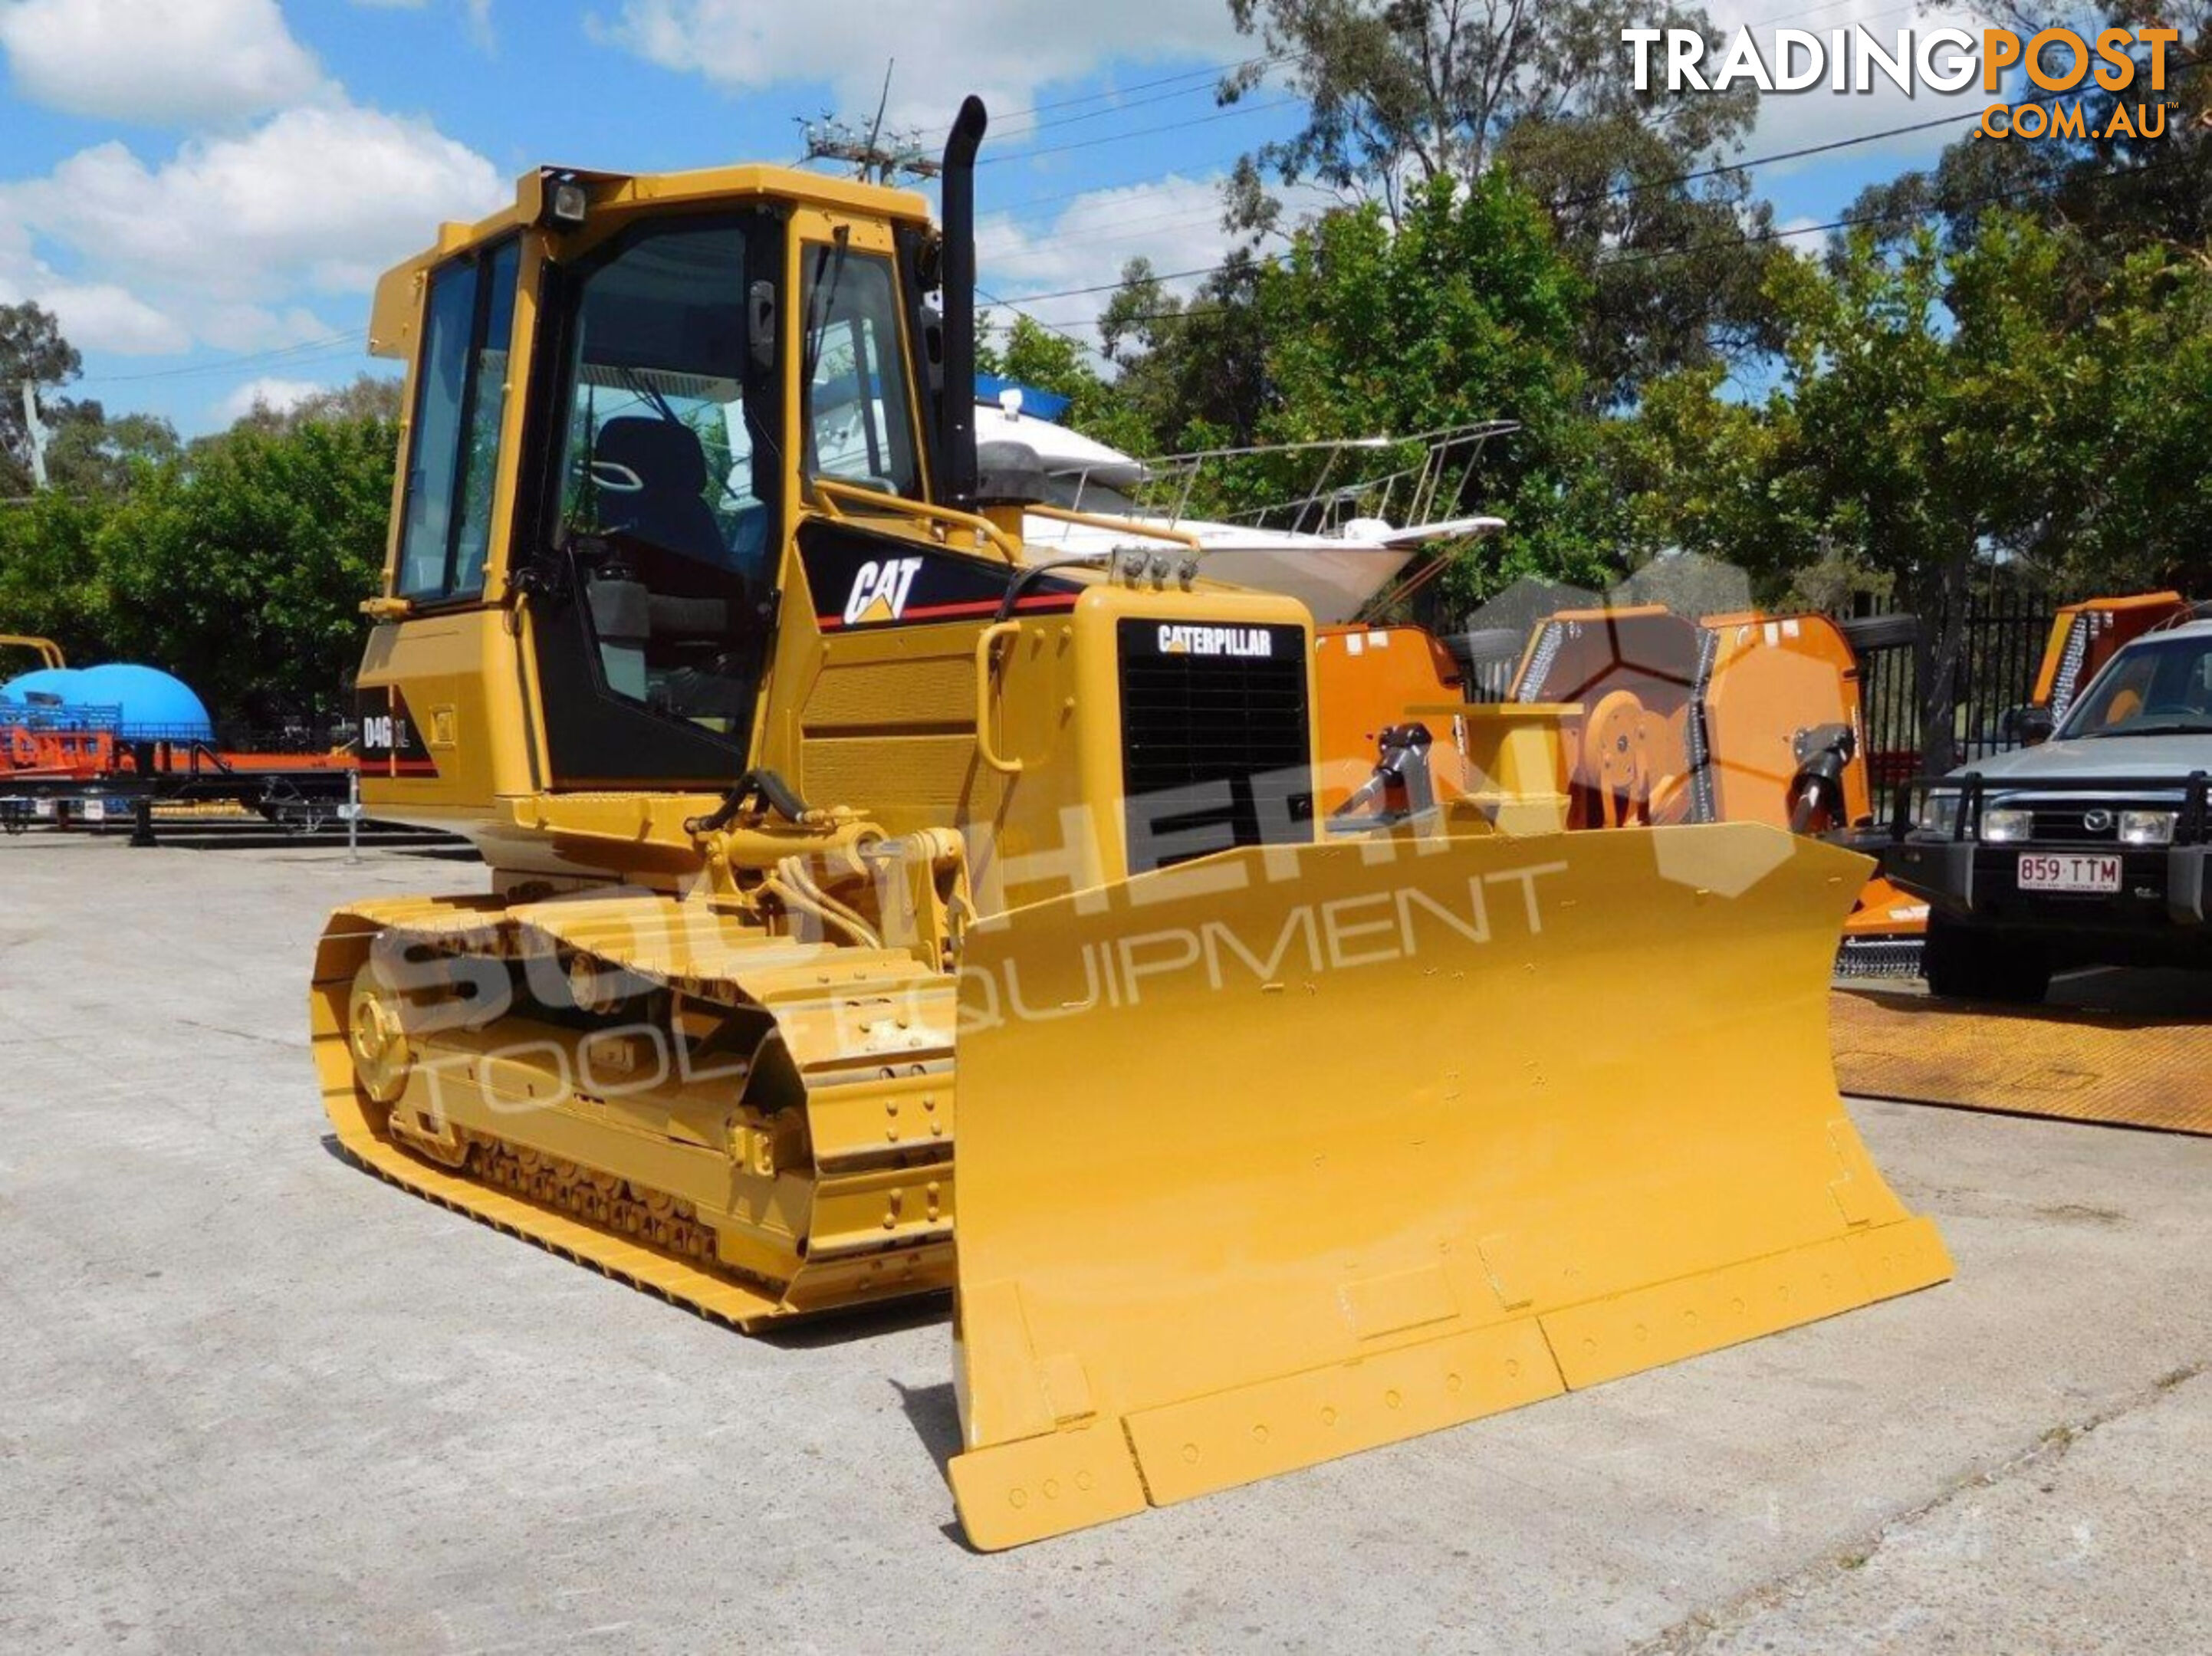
1296 1151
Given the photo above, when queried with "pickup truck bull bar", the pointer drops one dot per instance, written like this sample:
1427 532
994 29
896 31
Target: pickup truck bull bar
2193 823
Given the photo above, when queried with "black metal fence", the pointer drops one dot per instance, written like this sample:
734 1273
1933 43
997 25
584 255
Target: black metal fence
2003 631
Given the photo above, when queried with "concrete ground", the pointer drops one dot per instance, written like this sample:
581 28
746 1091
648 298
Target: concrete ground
252 1398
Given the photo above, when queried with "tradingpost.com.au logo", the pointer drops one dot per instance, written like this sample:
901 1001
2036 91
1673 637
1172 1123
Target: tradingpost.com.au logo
1947 60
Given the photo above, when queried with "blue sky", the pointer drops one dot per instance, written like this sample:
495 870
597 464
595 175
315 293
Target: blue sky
203 189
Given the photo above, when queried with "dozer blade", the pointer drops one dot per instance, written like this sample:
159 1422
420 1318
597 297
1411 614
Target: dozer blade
2071 1063
1293 1152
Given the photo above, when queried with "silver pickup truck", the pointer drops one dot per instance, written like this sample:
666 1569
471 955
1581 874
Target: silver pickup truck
2087 849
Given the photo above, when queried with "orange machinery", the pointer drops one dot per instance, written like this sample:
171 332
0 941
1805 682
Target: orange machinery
1651 719
60 761
2085 636
34 751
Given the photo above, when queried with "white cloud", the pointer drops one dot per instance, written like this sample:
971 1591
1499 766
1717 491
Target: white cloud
1002 49
275 395
100 316
1174 221
225 243
103 316
324 197
157 61
259 327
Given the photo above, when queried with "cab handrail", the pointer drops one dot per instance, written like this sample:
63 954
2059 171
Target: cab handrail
835 495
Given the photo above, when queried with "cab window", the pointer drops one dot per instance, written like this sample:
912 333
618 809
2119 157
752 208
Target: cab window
453 446
658 490
858 421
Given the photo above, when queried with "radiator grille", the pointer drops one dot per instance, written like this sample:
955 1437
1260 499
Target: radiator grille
1216 746
2085 822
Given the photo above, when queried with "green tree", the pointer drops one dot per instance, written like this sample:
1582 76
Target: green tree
244 571
51 582
238 564
368 397
1192 373
1034 355
2123 191
1465 311
2020 407
1402 93
92 454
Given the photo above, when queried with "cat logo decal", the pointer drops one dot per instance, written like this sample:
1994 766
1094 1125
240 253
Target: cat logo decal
880 590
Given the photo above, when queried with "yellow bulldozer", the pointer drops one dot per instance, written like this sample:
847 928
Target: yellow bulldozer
878 907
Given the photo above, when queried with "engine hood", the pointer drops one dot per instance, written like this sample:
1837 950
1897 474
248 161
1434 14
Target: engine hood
2086 758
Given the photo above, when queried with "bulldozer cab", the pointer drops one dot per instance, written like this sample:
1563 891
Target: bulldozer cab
622 397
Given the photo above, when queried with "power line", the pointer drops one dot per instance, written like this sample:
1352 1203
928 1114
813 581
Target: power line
1229 115
2046 187
1808 11
1065 333
1006 125
1750 161
1125 104
1115 286
294 355
2033 187
1745 164
1210 72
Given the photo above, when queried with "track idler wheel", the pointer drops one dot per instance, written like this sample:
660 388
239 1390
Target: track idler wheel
376 1033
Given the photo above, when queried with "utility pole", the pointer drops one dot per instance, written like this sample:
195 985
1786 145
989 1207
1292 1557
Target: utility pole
35 430
878 157
878 160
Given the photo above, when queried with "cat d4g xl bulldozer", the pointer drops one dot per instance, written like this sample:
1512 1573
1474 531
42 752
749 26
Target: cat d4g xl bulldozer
878 907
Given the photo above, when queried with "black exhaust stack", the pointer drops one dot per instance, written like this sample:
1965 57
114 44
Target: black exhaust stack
956 406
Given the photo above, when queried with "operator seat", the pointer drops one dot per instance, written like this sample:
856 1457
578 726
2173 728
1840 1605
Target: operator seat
669 509
664 617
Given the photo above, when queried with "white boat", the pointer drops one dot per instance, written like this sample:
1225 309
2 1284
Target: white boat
1311 547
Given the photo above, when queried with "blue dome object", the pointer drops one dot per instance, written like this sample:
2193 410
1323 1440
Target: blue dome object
154 706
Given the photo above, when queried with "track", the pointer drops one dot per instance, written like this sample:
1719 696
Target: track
829 1197
2071 1063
